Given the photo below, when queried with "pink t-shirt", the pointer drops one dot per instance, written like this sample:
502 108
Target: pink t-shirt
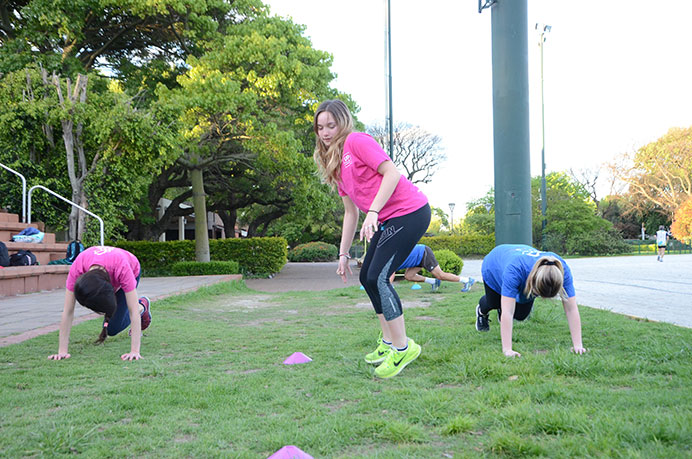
121 265
360 180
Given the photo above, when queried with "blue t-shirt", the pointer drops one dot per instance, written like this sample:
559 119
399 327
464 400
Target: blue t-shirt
506 268
414 258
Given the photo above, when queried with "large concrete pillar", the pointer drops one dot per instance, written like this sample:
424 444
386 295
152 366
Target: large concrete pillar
511 122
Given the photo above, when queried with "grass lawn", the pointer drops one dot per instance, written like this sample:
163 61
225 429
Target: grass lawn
212 383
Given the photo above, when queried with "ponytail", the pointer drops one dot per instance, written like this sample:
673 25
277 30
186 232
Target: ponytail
104 332
546 279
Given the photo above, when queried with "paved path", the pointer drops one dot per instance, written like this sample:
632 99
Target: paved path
637 286
25 316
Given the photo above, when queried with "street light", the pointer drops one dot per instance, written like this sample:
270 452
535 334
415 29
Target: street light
543 29
451 211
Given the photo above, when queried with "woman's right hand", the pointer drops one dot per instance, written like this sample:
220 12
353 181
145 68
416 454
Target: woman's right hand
511 353
59 356
343 268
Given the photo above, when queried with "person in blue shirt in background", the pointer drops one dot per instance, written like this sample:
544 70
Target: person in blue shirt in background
421 257
514 275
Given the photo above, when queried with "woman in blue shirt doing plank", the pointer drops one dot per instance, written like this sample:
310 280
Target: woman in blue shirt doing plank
514 275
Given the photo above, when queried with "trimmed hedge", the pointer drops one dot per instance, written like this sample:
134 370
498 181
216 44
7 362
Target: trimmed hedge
313 251
255 255
467 245
196 268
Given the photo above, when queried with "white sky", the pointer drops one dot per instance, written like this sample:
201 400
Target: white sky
618 75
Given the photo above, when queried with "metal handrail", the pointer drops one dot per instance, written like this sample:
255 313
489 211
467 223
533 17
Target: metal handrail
66 200
24 220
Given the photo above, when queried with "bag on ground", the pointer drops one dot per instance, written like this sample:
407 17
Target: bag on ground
23 258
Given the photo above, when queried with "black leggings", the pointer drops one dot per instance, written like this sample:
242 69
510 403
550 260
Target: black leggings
389 247
491 300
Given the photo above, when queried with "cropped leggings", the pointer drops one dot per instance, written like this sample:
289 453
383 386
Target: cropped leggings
389 247
491 300
121 319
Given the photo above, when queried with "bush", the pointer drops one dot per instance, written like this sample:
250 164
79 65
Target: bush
313 251
196 268
254 255
449 261
597 243
466 245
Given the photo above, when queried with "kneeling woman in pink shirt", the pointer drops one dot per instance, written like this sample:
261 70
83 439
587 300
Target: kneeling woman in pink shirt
105 280
397 214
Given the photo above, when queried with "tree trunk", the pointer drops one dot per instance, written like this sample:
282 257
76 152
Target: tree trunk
76 172
200 204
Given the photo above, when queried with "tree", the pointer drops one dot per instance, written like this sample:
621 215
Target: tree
416 151
109 147
244 106
618 210
480 215
661 173
588 179
682 223
79 35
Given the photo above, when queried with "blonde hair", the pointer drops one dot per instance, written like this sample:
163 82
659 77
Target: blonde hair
546 279
328 159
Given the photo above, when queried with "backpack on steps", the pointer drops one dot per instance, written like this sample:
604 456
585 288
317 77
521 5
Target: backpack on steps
4 255
74 248
23 258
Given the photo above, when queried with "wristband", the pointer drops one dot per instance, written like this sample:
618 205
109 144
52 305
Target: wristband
345 255
376 211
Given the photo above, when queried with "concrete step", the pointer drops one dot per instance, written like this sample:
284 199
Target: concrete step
17 280
45 252
5 217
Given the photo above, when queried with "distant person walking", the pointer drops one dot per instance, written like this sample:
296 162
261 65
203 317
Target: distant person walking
397 214
105 280
514 275
421 257
661 241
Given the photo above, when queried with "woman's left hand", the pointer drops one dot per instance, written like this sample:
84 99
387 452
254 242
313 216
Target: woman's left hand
131 356
578 350
369 226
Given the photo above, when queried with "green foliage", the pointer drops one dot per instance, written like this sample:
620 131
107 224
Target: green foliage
608 242
464 245
313 251
256 256
195 268
122 147
449 261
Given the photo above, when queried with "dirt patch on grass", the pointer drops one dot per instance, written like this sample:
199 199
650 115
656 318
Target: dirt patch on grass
406 304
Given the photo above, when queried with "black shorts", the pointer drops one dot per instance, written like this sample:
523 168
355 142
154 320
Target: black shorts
428 261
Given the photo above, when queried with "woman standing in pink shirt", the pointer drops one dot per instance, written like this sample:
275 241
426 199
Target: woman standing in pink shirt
105 280
397 214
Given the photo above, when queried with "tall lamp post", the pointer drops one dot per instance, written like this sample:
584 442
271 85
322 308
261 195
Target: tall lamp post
388 63
543 29
451 212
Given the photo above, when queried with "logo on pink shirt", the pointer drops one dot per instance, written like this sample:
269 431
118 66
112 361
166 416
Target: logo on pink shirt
347 161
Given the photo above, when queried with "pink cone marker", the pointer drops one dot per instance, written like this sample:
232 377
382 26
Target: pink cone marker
290 452
297 357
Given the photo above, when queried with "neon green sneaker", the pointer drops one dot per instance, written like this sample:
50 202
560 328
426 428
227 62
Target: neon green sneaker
379 354
396 360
